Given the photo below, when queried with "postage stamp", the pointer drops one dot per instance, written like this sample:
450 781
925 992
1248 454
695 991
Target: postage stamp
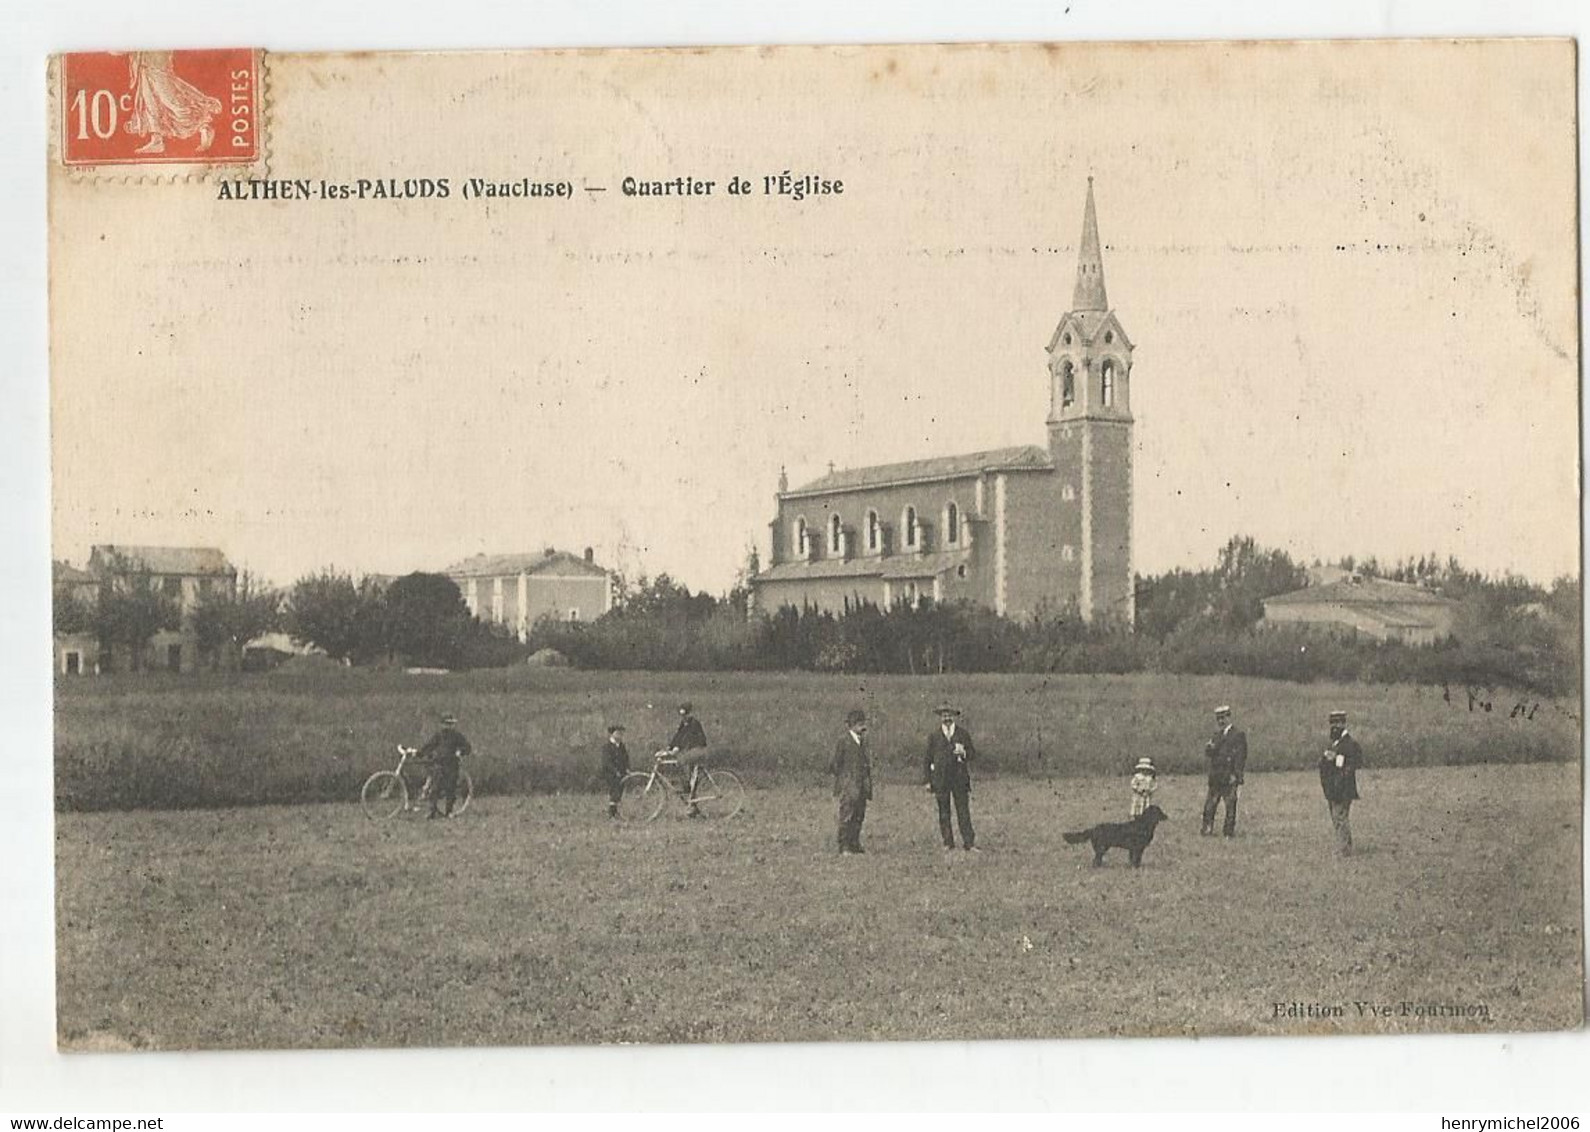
161 108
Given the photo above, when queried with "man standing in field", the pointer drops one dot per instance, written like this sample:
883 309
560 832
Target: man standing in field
615 765
852 771
445 751
1338 775
1227 753
949 775
689 746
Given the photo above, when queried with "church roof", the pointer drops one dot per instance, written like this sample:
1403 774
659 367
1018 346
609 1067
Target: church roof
894 567
1027 457
1089 294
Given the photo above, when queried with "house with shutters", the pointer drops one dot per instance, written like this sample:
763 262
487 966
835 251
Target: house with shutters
517 590
185 575
1035 530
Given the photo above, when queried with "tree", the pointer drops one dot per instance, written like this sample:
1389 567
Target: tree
70 612
228 620
427 619
329 611
131 611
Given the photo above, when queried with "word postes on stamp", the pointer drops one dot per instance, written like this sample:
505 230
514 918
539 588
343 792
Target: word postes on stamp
161 107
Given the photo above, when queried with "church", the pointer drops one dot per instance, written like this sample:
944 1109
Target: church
1029 531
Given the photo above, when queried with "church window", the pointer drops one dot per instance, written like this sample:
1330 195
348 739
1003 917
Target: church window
1066 338
1068 384
1067 553
835 533
874 531
952 524
908 523
1107 382
1068 493
802 538
960 571
1109 336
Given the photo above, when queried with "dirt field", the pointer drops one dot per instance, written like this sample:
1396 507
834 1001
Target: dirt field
531 919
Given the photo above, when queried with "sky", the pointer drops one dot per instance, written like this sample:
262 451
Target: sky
1348 271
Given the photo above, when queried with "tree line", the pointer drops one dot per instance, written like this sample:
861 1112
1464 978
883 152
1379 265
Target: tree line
1510 632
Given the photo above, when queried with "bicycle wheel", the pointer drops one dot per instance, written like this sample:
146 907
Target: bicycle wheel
642 798
719 793
466 791
384 795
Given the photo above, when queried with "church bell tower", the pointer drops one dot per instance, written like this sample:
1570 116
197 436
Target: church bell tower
1090 439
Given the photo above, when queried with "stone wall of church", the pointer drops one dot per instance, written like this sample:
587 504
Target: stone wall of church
1040 526
929 499
1111 502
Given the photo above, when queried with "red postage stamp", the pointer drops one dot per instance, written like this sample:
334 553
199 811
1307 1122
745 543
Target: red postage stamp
161 107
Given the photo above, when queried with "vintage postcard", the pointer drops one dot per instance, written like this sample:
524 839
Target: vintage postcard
739 545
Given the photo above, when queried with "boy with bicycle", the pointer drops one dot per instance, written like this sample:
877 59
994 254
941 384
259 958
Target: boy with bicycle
445 751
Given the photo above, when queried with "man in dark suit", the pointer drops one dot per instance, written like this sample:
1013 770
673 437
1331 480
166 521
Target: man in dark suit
615 765
1338 776
1227 753
948 772
852 771
445 751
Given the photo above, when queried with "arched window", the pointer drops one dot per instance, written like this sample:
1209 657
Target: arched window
952 524
836 532
908 524
1107 382
1068 384
802 538
874 531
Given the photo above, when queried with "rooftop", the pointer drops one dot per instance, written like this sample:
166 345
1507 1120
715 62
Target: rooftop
120 557
1027 457
1363 591
545 561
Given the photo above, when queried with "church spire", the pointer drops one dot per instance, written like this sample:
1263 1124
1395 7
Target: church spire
1089 294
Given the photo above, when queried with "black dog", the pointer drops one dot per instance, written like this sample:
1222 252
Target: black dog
1133 836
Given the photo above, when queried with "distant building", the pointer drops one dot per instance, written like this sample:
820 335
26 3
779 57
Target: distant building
76 654
1380 610
517 590
186 575
1023 531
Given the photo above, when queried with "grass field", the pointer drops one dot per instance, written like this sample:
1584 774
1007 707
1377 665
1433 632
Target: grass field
160 742
532 920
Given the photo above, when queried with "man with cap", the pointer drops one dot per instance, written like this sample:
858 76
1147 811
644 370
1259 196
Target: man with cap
615 765
852 771
1338 776
949 775
689 746
445 751
1227 753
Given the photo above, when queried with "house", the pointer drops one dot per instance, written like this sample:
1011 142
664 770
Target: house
517 590
76 651
185 575
1378 609
1025 531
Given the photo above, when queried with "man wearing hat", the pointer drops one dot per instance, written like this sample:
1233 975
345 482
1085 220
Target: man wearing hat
852 771
949 776
615 765
1227 753
1338 775
689 746
444 751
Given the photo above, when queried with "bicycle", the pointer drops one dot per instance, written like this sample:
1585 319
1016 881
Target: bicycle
719 793
386 792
